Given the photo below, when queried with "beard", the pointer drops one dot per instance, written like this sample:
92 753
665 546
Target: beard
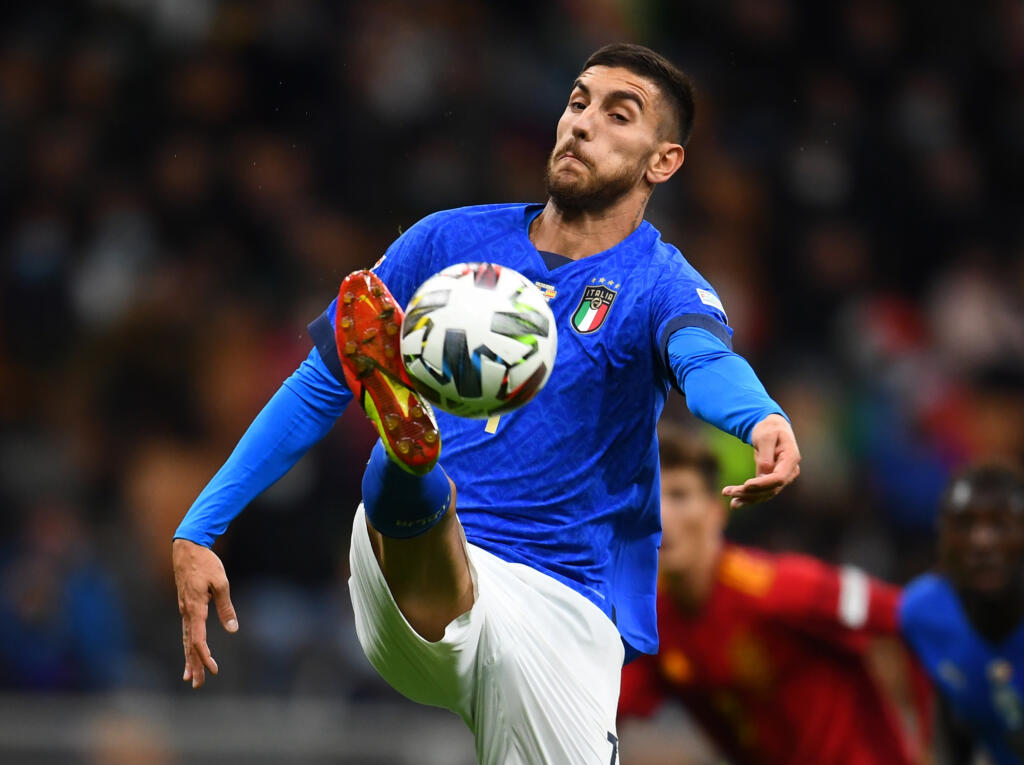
589 192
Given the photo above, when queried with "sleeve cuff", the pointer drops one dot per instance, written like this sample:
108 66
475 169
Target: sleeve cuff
700 320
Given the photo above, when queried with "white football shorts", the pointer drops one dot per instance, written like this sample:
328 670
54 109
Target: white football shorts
532 668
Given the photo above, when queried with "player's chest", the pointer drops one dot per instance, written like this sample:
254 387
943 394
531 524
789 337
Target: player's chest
589 306
601 310
592 297
602 319
726 653
985 687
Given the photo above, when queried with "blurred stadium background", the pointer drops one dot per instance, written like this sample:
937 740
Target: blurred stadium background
183 183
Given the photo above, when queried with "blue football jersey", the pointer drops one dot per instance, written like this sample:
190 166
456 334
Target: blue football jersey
569 484
983 683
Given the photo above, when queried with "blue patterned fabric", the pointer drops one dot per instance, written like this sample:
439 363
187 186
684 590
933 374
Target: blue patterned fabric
983 683
568 484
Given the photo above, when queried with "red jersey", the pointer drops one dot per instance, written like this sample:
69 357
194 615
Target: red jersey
773 665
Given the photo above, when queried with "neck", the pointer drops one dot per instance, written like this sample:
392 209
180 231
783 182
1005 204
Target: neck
995 619
691 587
579 233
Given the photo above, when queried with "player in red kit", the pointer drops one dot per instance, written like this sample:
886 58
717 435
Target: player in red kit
767 652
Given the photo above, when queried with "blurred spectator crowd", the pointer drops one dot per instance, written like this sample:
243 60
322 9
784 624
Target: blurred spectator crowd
183 185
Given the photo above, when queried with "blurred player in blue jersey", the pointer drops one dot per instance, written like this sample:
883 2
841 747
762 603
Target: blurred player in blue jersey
517 613
967 623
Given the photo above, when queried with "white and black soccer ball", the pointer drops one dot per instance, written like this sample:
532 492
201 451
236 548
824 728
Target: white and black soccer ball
478 340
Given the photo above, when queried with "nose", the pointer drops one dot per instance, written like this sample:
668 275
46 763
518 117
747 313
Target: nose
582 125
983 536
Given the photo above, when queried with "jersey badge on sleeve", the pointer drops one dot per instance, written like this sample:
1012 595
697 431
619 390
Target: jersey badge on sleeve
707 297
594 305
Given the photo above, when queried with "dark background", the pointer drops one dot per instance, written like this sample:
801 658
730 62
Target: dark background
183 185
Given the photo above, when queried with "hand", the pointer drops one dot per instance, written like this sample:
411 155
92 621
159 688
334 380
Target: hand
777 459
199 574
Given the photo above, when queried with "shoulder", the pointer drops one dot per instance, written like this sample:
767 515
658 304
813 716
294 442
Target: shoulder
459 231
462 224
782 582
668 260
926 604
510 214
747 571
675 283
800 566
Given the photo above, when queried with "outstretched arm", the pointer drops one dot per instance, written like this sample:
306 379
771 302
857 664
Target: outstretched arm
722 389
295 418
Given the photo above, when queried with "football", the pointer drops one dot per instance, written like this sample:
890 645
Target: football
478 340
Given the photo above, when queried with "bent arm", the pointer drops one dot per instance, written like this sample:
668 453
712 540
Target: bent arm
295 418
720 386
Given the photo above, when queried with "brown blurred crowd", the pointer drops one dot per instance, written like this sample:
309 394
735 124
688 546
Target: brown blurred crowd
183 185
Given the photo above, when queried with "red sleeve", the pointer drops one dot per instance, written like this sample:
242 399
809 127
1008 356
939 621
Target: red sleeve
642 691
812 594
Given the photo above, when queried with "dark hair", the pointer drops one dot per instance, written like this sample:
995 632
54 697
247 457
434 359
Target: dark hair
674 84
997 481
680 450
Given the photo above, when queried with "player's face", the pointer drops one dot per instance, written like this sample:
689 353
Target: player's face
981 544
606 139
691 520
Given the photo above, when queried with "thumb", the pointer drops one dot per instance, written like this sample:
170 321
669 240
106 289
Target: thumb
225 610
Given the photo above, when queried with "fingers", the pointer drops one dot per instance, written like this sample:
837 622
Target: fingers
199 574
773 480
762 488
776 462
187 674
741 496
743 499
225 610
764 456
750 499
781 473
198 657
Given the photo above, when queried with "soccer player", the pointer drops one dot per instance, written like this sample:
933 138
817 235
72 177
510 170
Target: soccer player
517 612
769 653
966 623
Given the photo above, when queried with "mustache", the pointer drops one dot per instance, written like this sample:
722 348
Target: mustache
572 147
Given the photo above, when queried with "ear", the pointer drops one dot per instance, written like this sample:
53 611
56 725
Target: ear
664 162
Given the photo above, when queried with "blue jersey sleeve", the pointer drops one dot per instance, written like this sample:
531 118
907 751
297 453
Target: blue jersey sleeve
681 297
720 386
295 418
308 403
913 605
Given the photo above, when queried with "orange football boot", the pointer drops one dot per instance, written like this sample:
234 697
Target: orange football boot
367 332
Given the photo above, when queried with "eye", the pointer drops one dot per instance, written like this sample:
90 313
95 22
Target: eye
619 117
577 106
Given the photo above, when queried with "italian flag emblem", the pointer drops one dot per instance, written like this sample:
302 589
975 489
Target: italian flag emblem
593 308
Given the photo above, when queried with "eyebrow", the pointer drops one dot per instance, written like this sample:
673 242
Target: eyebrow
615 95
